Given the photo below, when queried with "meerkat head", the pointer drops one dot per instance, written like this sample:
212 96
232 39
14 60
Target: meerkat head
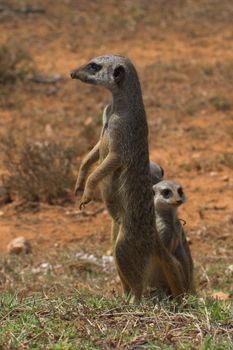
156 172
109 71
168 194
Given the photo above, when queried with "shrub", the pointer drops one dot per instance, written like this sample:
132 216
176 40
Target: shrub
42 172
15 63
220 103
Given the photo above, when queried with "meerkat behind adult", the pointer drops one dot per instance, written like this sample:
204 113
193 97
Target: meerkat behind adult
124 176
168 196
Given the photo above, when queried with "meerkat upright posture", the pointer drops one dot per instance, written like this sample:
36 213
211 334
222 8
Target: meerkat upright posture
168 196
124 177
156 172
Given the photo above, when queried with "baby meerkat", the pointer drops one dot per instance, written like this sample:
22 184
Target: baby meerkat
156 172
168 196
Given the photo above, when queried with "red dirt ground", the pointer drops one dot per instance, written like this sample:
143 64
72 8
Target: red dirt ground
190 145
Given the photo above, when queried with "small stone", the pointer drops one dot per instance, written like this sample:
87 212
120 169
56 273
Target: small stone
48 130
107 259
19 245
213 173
225 178
230 268
196 155
88 121
221 296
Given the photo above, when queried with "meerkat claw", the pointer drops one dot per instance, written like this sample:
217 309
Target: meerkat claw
83 203
81 206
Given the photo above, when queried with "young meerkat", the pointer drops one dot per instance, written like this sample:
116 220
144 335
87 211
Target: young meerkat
124 177
168 196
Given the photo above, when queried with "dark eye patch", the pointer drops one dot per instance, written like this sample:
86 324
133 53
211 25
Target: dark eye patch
166 193
93 67
180 191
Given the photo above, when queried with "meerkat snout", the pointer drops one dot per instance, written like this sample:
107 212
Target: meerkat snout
73 74
86 72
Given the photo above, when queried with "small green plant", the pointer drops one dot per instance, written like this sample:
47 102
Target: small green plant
190 110
138 13
208 70
220 103
228 159
196 132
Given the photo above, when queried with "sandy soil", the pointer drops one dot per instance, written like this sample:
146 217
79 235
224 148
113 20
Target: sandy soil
184 58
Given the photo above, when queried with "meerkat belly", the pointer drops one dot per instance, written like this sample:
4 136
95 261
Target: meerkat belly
110 195
109 186
169 232
165 231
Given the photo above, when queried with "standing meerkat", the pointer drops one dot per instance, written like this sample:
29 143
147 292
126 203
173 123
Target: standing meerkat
92 157
124 177
168 196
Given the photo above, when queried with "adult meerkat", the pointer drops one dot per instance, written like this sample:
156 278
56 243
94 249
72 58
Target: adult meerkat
124 177
168 196
92 157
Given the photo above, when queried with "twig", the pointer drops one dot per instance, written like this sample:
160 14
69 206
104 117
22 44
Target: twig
117 314
41 79
86 213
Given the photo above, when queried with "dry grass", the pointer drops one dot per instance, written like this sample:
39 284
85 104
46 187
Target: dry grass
69 299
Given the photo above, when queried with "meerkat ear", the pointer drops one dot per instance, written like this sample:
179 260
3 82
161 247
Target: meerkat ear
153 190
162 171
119 73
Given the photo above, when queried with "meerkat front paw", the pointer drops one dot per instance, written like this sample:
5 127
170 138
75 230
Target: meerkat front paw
85 200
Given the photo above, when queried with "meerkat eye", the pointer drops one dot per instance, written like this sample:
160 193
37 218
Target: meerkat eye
166 193
93 67
180 191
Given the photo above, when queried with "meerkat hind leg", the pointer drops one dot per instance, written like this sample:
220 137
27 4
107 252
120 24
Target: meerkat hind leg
114 233
126 288
173 272
130 267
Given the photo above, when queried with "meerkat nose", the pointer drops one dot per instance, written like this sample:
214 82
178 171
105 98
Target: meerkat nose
179 201
73 74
